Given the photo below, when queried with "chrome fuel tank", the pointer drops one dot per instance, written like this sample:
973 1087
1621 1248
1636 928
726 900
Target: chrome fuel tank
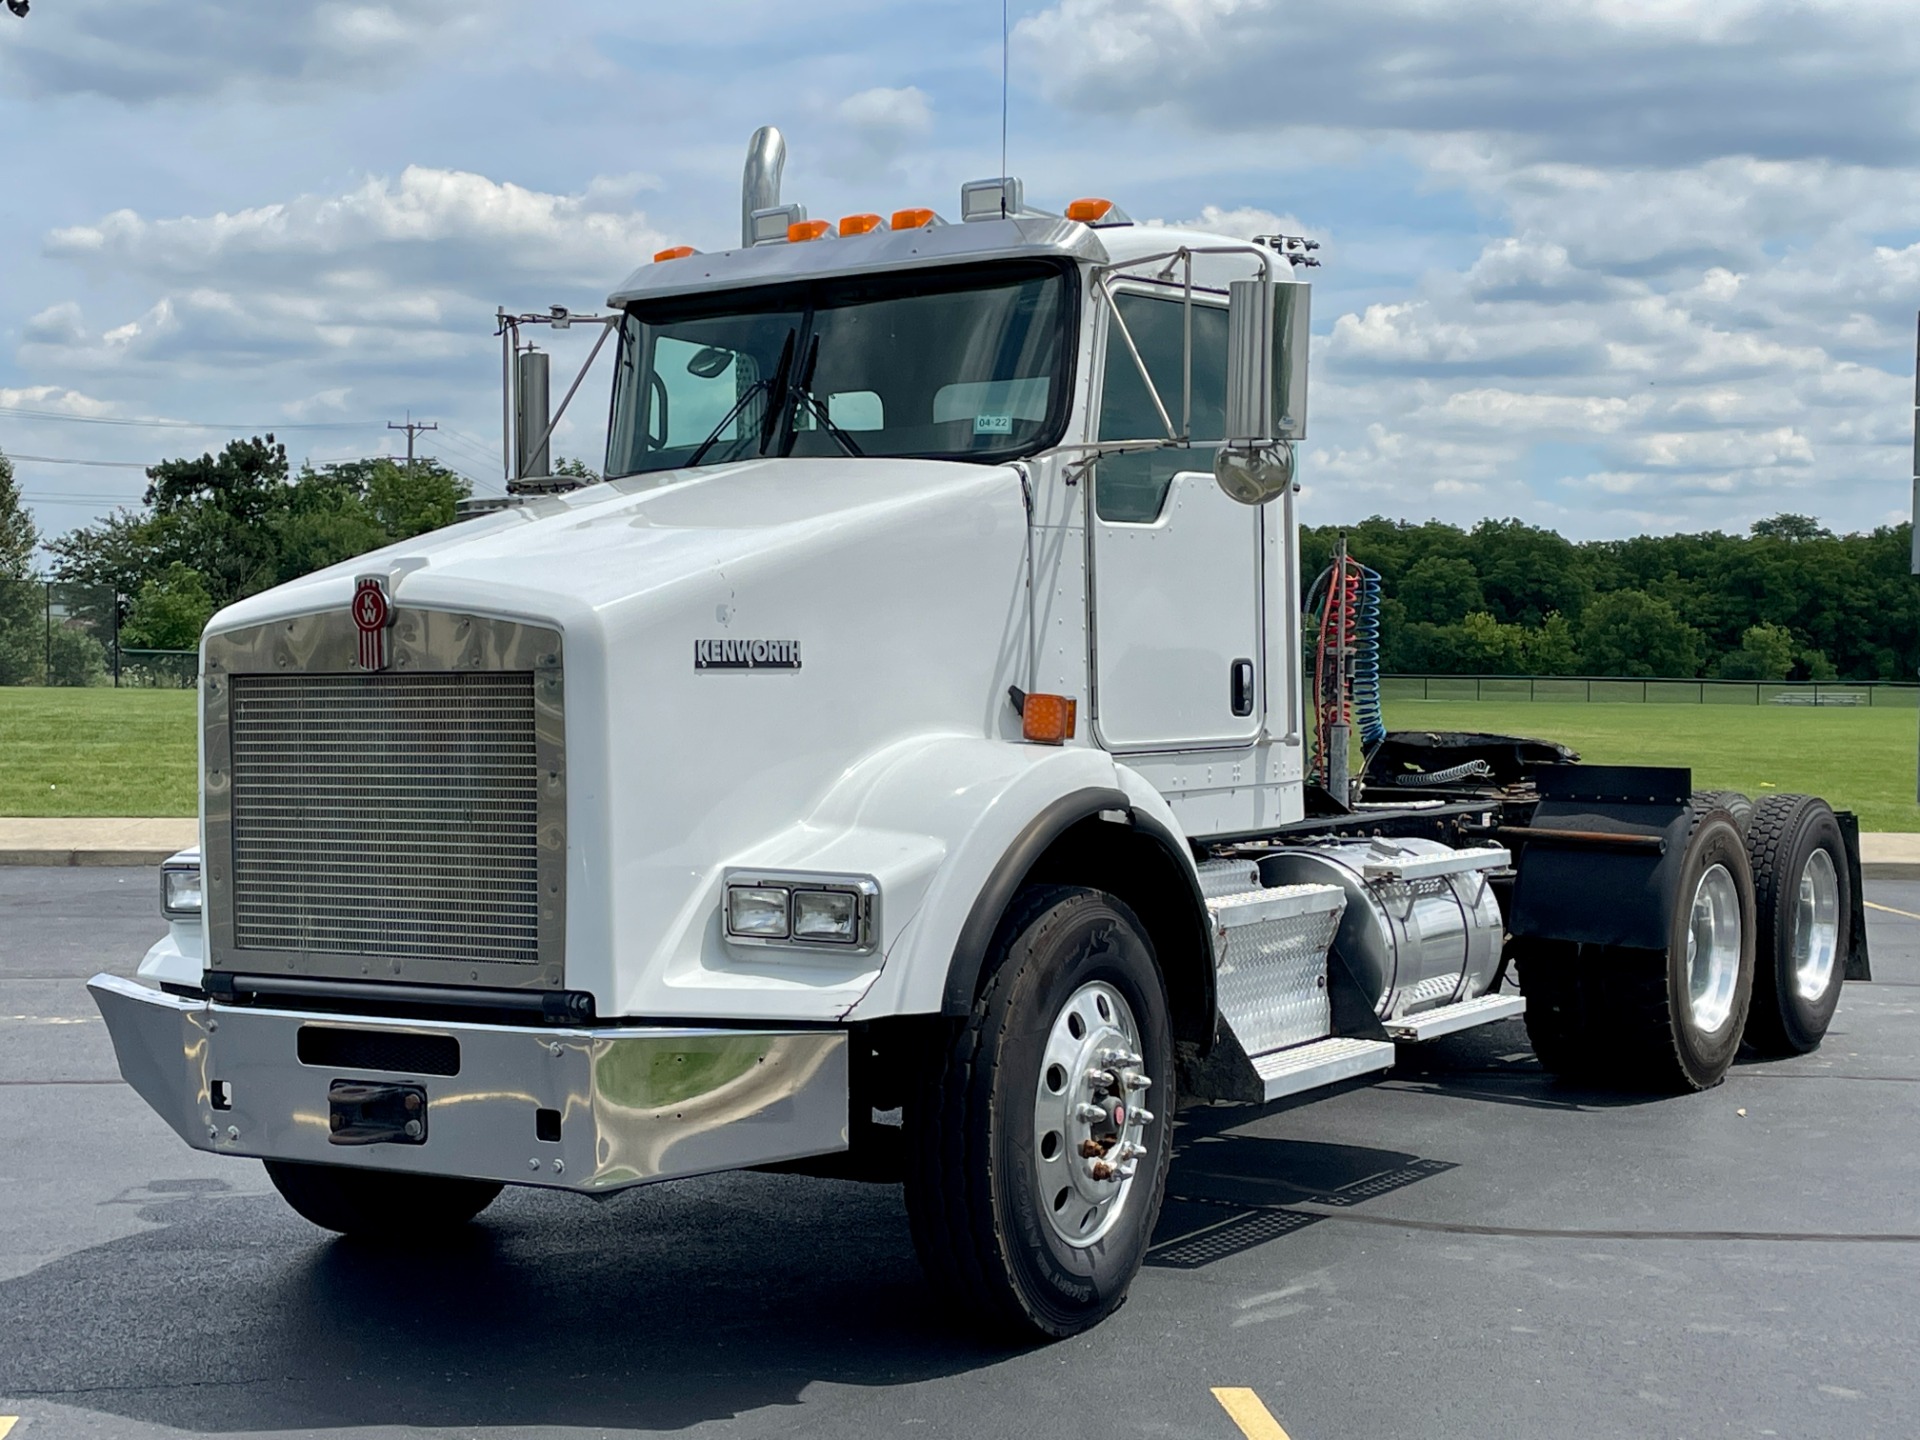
1422 927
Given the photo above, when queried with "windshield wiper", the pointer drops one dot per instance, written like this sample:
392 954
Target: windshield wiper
772 385
803 392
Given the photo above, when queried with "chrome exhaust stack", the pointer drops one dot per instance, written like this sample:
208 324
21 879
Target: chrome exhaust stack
760 184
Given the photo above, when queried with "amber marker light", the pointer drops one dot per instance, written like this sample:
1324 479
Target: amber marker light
808 230
915 219
678 252
859 224
1090 211
1048 719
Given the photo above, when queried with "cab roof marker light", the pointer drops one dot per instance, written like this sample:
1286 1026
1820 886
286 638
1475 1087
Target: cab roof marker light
917 217
809 230
1098 213
770 226
677 252
860 225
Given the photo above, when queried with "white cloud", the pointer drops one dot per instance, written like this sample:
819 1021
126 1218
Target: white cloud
1603 80
139 51
902 112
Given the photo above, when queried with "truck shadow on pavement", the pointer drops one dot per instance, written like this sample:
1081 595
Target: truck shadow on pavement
659 1308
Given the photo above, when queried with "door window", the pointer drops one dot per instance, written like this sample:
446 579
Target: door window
1133 487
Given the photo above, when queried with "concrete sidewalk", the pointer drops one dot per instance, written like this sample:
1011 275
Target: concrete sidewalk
148 842
94 841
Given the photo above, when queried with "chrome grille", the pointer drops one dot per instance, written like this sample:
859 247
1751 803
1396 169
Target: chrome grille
392 816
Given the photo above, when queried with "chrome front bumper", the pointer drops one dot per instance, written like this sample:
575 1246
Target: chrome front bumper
634 1104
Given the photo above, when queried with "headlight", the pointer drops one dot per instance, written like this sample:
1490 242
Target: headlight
180 891
802 911
756 912
830 915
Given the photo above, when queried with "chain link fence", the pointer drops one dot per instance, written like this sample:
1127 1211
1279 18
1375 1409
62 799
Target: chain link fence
1605 690
54 633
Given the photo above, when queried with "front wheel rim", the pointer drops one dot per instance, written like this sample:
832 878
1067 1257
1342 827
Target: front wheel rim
1713 950
1816 926
1088 1130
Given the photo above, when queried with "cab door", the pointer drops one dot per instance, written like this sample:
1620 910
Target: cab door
1178 655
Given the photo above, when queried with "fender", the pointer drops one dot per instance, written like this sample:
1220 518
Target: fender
933 965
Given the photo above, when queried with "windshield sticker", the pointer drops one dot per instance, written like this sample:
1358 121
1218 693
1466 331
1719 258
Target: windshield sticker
746 654
993 424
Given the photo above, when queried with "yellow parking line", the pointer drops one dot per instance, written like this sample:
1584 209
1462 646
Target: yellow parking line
7 1422
1891 911
1243 1407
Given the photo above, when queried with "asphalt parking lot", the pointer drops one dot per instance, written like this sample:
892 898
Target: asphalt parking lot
1464 1249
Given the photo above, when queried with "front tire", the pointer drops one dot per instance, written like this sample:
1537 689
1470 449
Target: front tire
1803 894
379 1204
1035 1179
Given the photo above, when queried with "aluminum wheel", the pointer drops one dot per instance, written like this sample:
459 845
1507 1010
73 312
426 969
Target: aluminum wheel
1713 950
1816 926
1087 1129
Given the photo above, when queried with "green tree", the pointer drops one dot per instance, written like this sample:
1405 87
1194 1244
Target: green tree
1766 652
74 657
18 538
1442 589
23 653
1791 527
169 612
241 523
1629 632
409 500
1551 649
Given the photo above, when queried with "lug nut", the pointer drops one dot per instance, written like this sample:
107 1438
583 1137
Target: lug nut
1134 1080
1092 1114
1092 1150
1101 1170
1141 1117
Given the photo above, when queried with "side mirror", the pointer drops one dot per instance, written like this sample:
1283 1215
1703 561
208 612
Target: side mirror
1266 388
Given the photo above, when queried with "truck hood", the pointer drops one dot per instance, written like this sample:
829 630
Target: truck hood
556 557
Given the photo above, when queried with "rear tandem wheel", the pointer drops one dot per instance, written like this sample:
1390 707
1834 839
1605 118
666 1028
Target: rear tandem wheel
1667 1019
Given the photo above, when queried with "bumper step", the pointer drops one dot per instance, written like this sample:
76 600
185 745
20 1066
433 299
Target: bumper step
1324 1062
1431 1024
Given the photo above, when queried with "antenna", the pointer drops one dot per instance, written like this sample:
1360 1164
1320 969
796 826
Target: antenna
1003 105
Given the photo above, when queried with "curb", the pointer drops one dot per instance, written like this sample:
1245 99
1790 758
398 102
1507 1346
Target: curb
87 856
1890 869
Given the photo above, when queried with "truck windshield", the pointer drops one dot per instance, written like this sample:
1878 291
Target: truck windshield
963 364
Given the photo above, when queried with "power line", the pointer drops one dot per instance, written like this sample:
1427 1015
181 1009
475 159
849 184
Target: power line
61 460
158 424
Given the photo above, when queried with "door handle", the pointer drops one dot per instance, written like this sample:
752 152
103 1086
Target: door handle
1240 684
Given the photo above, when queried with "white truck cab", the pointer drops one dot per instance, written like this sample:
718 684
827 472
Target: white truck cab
914 719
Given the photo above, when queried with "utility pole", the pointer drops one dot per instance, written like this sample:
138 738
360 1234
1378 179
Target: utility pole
412 427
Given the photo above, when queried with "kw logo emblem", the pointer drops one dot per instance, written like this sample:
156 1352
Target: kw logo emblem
373 614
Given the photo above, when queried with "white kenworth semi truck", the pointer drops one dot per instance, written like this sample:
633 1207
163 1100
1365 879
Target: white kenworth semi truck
899 767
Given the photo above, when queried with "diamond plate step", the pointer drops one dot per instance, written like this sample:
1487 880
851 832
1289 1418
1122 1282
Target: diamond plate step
1431 1024
1324 1062
1270 963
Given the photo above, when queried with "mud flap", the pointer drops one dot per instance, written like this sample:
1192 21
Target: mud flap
1590 890
1858 965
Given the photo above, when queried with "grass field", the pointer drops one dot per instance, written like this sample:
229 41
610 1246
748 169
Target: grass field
97 752
131 752
1860 759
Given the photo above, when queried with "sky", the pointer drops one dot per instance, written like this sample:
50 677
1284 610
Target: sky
1609 266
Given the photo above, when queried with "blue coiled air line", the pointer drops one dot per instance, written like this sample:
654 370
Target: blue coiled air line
1367 715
